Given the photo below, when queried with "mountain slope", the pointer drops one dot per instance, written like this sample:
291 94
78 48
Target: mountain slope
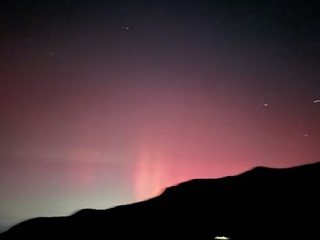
263 203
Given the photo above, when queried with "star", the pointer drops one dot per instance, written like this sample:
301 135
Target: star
266 105
125 27
18 153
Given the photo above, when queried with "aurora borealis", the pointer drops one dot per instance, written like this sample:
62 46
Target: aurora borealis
108 102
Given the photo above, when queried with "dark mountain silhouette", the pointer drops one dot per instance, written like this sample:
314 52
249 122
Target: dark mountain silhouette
260 204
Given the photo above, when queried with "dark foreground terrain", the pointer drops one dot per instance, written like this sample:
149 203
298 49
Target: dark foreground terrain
260 204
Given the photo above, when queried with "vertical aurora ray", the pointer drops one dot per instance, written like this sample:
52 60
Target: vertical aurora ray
149 172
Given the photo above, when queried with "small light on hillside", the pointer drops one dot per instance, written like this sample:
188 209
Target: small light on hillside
221 238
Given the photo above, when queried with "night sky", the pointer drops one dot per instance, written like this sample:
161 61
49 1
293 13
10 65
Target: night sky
108 102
